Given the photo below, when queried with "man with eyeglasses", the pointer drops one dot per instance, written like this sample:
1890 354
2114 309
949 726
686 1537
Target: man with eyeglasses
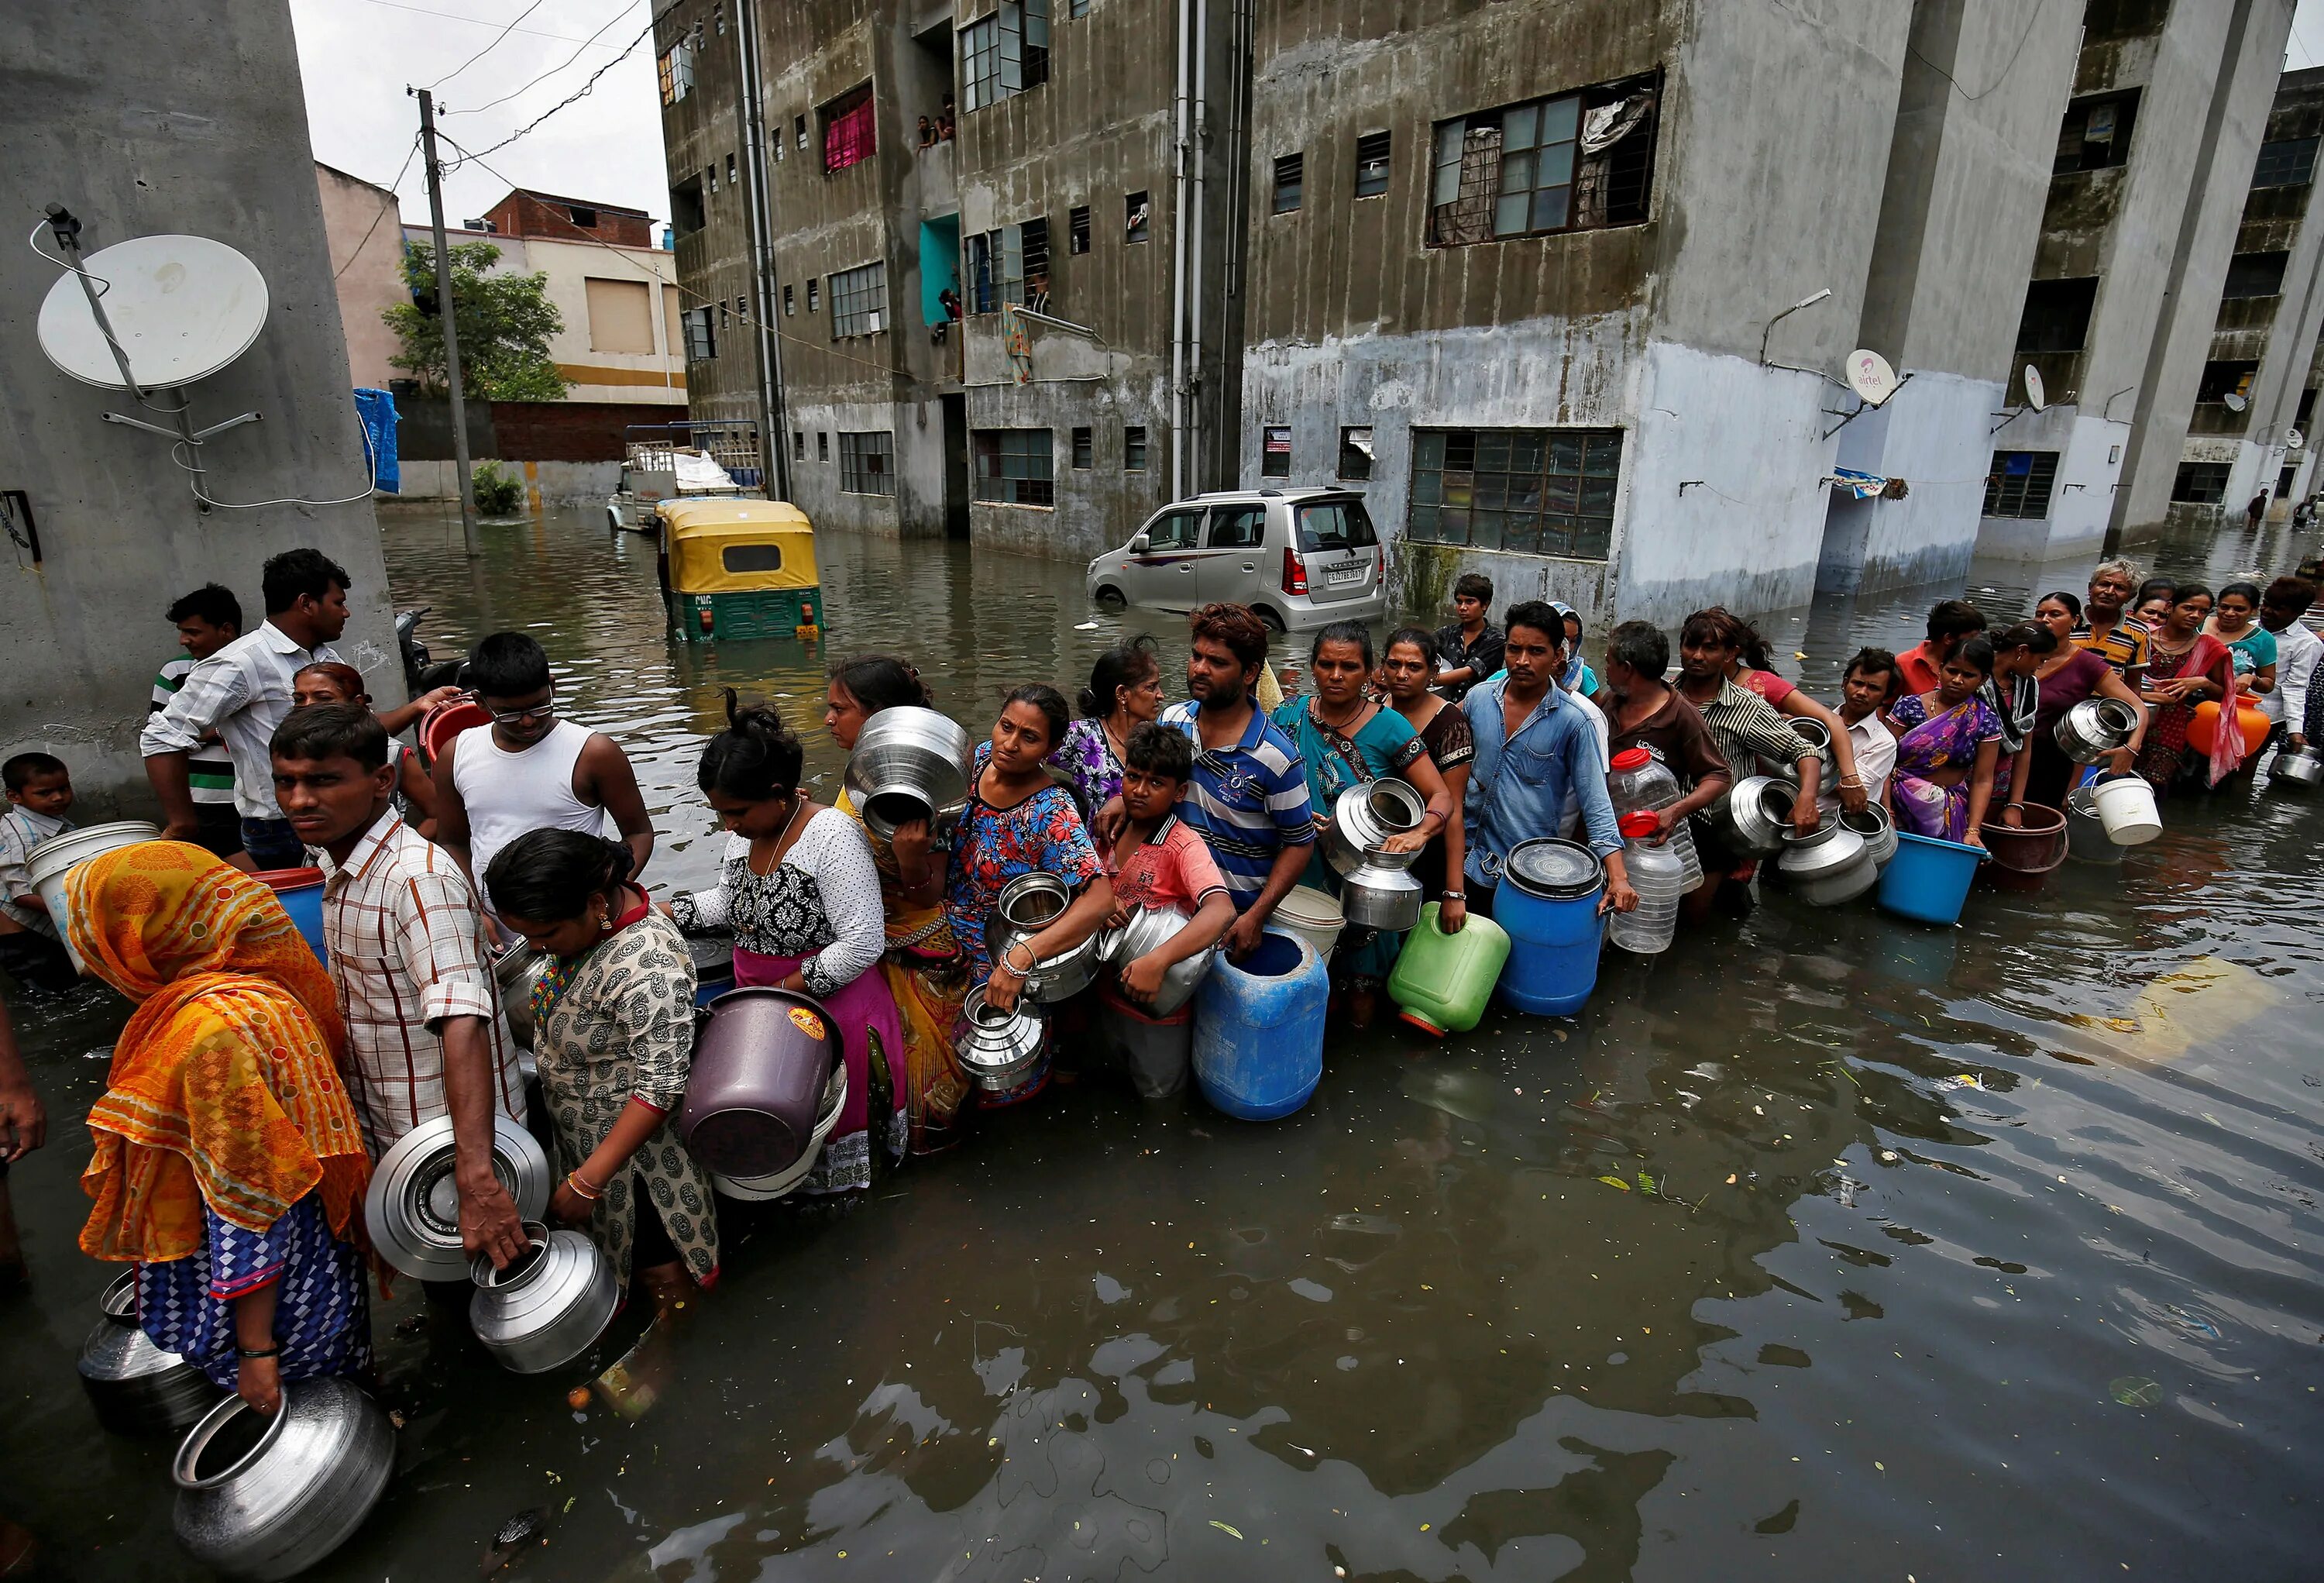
529 770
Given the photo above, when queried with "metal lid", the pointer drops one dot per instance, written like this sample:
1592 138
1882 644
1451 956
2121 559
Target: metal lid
1555 870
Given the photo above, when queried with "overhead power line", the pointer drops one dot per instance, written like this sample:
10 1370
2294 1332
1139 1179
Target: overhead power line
472 21
383 207
488 48
562 65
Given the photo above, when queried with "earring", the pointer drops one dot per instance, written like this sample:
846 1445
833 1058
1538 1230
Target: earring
605 923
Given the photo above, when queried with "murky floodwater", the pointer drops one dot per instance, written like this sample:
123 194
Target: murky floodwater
1823 1245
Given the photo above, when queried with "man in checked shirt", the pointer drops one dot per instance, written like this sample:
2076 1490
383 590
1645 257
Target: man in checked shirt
408 955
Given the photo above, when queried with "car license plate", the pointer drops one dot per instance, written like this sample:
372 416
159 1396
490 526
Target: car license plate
1346 571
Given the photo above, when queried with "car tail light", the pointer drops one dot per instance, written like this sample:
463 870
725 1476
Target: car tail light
705 614
1294 572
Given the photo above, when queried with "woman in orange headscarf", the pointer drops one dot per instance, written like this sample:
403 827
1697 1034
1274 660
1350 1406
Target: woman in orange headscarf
229 1165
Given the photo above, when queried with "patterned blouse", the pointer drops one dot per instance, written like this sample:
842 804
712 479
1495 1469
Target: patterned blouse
1086 758
994 846
822 901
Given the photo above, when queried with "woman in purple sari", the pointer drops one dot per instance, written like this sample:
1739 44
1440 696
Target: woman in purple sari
1946 742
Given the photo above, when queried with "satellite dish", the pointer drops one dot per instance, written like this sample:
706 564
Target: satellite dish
1870 378
182 308
2037 394
2294 439
2234 402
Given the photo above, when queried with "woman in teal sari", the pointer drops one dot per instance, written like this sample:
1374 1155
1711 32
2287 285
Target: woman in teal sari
1346 740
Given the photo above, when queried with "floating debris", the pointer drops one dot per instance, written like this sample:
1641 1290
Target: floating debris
514 1537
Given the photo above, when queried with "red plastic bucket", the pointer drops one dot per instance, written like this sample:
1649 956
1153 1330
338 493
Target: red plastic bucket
443 725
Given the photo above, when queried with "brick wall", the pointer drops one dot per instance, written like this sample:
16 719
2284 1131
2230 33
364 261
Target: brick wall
528 214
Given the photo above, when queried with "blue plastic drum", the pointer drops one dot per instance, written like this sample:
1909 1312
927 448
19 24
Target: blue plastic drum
301 892
1548 903
1259 1029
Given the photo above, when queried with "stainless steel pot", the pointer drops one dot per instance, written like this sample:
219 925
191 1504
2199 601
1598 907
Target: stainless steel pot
268 1502
909 763
1878 830
136 1387
2302 769
517 970
1816 735
1828 866
1146 931
1365 816
1001 1050
2086 841
781 1184
548 1306
1376 896
1027 905
412 1210
1750 820
2093 729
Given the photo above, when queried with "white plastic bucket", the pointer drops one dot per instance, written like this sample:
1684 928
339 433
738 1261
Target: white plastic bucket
1313 916
2126 805
50 861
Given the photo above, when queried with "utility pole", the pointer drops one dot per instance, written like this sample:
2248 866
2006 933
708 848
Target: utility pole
451 332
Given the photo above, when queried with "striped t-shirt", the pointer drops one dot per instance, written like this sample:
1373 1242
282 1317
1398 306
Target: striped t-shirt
1247 801
209 771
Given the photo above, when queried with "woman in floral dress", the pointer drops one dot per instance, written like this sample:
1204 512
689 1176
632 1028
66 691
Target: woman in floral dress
1125 692
800 893
613 1034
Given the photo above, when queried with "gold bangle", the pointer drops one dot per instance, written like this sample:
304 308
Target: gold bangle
588 1194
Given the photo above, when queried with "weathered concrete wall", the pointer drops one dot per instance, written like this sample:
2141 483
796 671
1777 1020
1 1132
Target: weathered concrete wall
193 128
1933 434
365 238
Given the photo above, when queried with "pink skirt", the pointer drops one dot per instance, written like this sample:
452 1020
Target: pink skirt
865 1013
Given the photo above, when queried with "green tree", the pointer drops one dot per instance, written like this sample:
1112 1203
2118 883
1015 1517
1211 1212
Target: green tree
505 322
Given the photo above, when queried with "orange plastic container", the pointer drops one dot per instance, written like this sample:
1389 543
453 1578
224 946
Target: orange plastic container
2205 725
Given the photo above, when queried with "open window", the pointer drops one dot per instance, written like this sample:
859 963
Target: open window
2256 274
2096 132
1011 264
1573 161
2057 316
1004 53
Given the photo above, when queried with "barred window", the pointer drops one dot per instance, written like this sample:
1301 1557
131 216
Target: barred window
867 463
1290 180
2019 484
1371 164
1078 229
1085 448
1542 491
859 300
1015 467
1011 264
1133 447
1135 215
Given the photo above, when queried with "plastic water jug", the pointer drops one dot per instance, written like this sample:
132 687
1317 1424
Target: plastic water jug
1548 902
1659 876
1637 783
1259 1029
1440 982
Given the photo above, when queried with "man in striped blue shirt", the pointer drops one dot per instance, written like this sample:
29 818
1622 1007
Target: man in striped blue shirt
1248 795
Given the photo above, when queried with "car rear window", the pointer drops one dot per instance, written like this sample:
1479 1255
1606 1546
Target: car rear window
1334 525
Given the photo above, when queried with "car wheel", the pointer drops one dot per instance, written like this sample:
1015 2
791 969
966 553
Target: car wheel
1110 598
1268 615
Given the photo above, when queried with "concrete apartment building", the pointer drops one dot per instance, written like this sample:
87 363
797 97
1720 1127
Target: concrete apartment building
2256 397
364 233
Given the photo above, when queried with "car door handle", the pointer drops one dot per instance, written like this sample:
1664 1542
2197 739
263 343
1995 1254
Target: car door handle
1250 566
1187 569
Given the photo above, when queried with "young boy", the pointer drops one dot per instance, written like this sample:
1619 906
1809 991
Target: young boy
207 619
1158 862
39 791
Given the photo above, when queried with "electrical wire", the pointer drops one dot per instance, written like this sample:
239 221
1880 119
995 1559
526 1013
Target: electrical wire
527 88
2030 23
471 21
487 49
410 154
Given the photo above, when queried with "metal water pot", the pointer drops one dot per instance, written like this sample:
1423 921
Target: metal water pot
909 762
270 1502
1001 1050
2301 769
1828 866
548 1306
1146 931
1816 735
136 1387
517 969
1027 905
1363 817
412 1210
1878 830
1376 896
1750 820
2093 729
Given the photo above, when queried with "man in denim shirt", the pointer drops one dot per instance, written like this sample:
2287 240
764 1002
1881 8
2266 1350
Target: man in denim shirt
1533 746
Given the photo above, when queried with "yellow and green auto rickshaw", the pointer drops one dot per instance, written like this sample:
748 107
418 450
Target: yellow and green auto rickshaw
739 568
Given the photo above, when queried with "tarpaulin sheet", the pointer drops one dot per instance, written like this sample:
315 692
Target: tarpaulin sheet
376 408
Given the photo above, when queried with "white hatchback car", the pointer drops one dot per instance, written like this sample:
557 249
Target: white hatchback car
1301 558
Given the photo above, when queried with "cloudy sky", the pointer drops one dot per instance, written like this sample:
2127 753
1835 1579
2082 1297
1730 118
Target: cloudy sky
358 56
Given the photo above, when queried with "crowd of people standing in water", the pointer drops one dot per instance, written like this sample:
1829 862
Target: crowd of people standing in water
255 1086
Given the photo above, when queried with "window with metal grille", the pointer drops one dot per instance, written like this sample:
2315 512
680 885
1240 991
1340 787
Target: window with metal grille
2057 315
789 302
2256 274
2200 483
823 445
867 463
1011 264
1355 453
798 445
1133 447
1135 215
2288 163
1077 232
1543 491
701 336
850 134
2095 133
1290 176
730 171
1085 448
1371 164
675 67
1004 53
2020 483
1577 162
1014 466
814 296
1275 452
798 130
859 300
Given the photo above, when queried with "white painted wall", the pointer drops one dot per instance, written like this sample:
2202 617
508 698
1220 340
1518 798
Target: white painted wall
2089 468
1933 434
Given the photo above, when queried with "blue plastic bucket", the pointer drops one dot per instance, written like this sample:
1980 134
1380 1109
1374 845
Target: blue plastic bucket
1928 880
301 892
1548 903
1259 1029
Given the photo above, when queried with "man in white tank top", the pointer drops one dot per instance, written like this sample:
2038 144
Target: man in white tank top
529 770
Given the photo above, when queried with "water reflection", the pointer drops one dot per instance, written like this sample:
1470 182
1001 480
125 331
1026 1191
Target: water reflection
1822 1242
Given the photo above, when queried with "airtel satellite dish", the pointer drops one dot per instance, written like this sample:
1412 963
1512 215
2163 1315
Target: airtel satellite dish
2037 394
1870 378
182 308
2234 402
2294 439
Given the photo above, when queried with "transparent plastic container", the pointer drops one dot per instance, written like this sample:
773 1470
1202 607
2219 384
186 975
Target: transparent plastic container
1639 782
1658 874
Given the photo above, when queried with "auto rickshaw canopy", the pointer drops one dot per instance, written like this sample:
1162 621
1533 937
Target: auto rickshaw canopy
737 546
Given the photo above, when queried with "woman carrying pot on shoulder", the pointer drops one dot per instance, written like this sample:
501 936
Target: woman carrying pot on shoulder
799 892
613 1033
1020 822
1125 692
926 971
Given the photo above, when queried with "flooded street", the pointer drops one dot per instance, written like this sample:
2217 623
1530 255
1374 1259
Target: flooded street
1825 1245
